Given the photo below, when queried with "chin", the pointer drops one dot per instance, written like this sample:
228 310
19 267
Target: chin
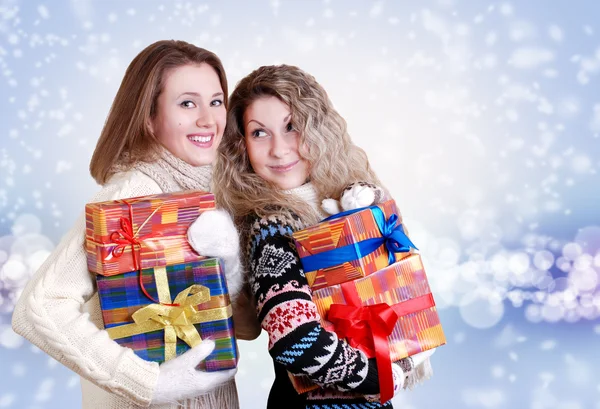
290 185
202 161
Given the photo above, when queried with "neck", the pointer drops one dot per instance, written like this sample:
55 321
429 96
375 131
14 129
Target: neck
308 194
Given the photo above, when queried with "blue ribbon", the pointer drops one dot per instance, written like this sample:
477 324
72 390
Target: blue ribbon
393 237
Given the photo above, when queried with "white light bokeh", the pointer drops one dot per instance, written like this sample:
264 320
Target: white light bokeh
550 287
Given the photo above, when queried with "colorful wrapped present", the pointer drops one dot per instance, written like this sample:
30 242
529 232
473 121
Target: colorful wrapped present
352 245
394 304
143 232
194 305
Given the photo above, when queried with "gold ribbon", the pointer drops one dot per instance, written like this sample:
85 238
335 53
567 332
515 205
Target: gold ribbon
176 320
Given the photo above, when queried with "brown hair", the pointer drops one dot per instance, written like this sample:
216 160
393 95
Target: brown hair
126 137
335 162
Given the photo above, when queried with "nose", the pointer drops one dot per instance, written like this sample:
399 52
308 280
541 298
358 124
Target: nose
205 119
279 146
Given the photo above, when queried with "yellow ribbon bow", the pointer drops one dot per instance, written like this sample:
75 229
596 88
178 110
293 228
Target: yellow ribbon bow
176 320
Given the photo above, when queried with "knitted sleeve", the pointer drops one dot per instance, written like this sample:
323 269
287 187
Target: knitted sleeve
286 311
50 312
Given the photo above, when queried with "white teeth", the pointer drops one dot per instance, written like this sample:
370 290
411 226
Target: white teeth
200 138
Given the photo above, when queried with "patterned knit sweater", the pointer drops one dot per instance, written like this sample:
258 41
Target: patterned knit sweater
297 342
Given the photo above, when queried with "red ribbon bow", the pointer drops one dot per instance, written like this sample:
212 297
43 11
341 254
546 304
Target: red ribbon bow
367 327
126 237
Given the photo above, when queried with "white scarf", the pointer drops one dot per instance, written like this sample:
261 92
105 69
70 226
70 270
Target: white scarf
173 174
308 194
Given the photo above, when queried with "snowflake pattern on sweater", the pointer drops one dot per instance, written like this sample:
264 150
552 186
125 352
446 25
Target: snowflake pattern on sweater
297 342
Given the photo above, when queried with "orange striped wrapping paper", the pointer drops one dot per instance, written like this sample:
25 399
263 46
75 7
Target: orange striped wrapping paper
398 284
158 227
344 231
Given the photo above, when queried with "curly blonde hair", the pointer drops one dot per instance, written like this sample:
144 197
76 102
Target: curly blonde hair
334 161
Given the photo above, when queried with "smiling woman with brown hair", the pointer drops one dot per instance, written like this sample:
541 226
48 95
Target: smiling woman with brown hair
161 136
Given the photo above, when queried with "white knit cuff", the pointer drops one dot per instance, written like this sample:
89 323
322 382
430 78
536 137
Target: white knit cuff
135 378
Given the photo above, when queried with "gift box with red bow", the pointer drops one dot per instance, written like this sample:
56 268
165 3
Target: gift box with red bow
143 232
157 295
389 315
352 245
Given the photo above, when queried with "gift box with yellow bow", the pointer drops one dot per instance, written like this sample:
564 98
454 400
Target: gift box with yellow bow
142 232
352 244
192 304
393 305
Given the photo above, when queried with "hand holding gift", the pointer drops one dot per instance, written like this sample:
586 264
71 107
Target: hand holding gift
180 379
370 289
158 295
415 368
407 372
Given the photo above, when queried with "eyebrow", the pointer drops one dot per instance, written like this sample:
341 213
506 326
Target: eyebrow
196 94
284 120
254 120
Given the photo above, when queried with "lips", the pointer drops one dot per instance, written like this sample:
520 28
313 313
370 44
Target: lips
202 140
283 168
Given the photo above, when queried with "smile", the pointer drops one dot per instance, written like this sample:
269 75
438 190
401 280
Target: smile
283 168
203 140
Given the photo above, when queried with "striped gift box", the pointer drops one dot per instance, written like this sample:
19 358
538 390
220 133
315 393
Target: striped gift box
340 232
154 227
121 296
402 285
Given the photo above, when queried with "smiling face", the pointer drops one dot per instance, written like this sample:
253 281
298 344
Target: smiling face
273 143
191 114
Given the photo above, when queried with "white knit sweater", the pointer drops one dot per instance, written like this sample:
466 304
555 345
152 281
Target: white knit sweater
59 312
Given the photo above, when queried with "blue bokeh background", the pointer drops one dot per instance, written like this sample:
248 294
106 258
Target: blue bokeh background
482 117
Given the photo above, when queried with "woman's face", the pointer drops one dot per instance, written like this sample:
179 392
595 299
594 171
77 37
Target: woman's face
191 114
273 144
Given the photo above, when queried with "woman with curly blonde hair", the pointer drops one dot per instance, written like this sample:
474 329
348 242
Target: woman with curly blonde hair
285 149
335 161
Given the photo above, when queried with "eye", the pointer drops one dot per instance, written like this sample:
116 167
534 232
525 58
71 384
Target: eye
216 103
289 127
188 104
258 133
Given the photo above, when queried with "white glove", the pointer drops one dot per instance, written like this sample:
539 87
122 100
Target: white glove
213 234
419 358
407 372
412 370
179 379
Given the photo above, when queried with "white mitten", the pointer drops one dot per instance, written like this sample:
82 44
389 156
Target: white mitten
408 372
414 369
420 358
179 379
213 234
361 195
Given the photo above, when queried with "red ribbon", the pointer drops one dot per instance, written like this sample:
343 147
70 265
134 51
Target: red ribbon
125 237
367 327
